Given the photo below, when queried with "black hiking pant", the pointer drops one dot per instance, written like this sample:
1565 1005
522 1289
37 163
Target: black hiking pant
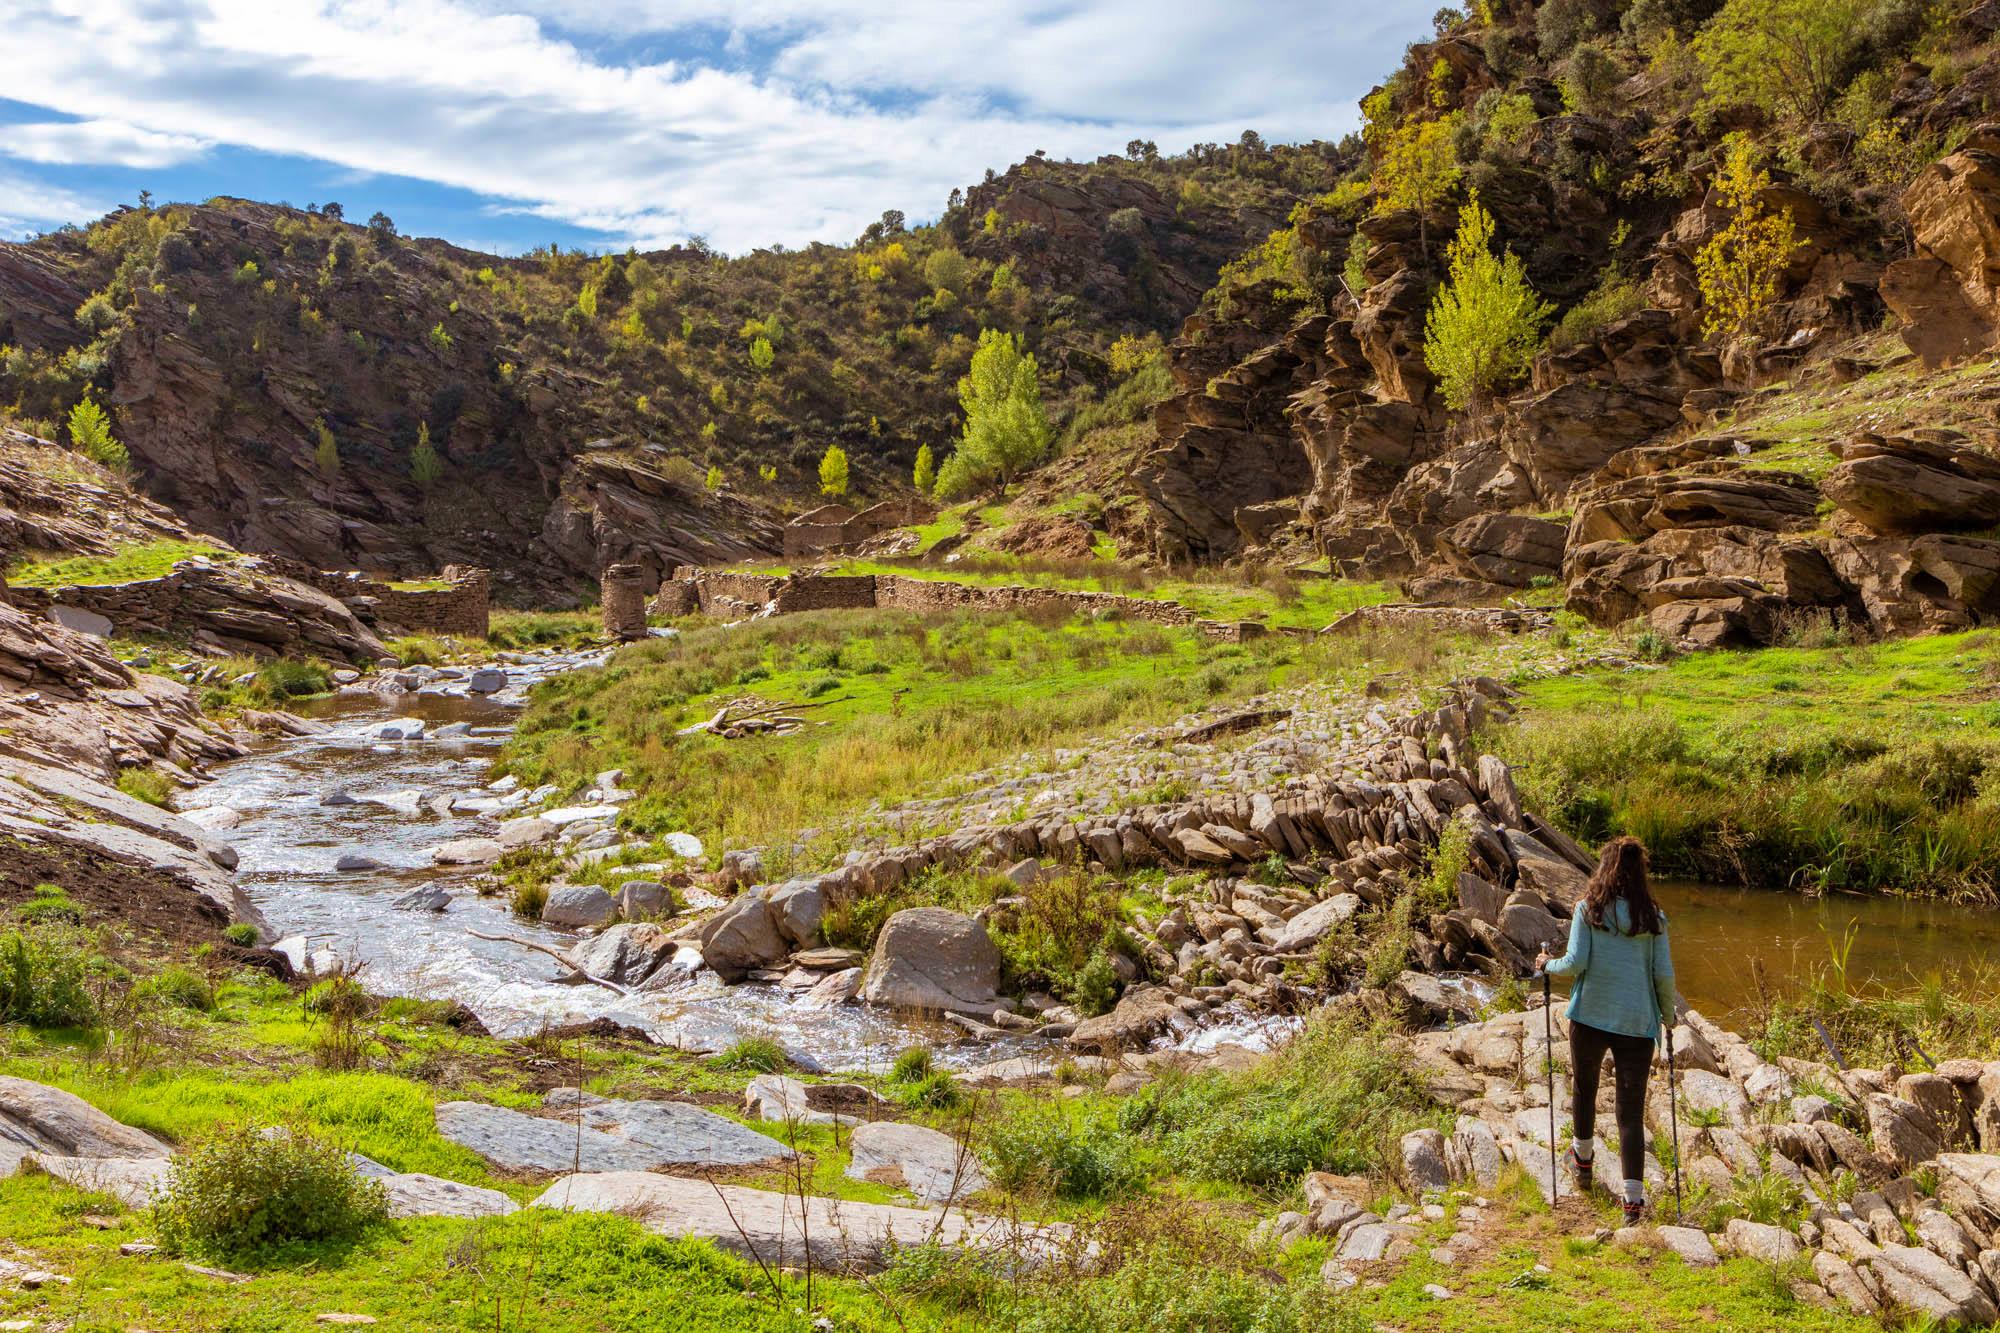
1632 1061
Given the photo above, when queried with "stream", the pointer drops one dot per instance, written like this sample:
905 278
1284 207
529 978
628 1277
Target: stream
289 841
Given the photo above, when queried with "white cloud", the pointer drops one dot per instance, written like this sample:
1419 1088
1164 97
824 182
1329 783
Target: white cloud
97 142
843 108
28 205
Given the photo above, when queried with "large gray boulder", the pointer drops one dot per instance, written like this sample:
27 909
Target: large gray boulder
742 937
928 958
625 954
574 906
36 1118
796 908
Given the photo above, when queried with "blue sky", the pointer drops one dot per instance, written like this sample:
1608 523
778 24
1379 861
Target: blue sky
507 124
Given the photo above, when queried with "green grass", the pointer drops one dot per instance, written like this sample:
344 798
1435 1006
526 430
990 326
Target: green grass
914 700
1867 767
148 560
146 784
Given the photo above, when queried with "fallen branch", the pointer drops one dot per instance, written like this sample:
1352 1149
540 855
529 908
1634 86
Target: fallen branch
556 954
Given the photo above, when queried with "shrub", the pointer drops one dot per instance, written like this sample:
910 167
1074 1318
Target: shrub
248 1191
326 450
90 431
1615 297
833 471
530 897
44 969
243 935
178 986
1052 1151
425 465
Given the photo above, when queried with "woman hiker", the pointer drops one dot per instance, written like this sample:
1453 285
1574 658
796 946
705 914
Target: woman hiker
1623 989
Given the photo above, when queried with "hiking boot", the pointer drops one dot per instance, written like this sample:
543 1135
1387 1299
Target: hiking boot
1635 1213
1578 1168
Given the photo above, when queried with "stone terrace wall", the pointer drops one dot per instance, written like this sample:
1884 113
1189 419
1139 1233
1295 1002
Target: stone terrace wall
714 593
460 608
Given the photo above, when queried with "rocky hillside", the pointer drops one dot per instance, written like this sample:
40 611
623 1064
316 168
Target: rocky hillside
276 373
1726 484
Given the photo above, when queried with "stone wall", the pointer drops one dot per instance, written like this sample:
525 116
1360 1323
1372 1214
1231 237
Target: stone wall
719 593
460 608
837 528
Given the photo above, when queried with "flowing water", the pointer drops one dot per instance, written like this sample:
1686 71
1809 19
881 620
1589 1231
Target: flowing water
289 841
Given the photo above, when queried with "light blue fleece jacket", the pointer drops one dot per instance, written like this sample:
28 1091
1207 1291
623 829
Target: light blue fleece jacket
1623 983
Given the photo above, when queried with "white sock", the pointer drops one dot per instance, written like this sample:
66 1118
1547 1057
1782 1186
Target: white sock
1584 1149
1635 1191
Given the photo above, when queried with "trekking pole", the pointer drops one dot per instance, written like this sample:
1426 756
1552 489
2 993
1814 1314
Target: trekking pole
1674 1118
1549 1063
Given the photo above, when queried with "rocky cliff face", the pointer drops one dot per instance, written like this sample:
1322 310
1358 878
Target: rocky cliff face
1624 468
231 341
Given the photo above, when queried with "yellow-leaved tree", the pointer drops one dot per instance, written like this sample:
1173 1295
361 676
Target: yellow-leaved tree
1485 323
1742 266
833 471
1418 168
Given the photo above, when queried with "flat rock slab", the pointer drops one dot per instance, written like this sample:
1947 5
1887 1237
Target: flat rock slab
133 1181
1691 1245
614 1136
781 1229
418 1195
930 1165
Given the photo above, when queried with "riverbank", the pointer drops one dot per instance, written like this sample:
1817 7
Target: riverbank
1872 767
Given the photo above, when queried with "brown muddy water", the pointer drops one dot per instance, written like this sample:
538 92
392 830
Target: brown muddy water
1726 939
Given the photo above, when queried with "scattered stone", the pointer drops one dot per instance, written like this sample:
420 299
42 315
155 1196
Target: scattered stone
427 898
1690 1244
468 852
574 906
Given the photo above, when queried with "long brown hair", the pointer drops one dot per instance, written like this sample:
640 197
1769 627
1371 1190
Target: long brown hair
1621 874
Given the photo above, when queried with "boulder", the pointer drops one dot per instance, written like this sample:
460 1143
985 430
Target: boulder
417 1195
742 938
425 898
36 1118
1512 550
1948 295
1691 1244
1758 1240
933 1166
135 1182
777 1228
575 906
644 900
625 954
796 908
927 958
1916 1279
1424 1168
1910 485
1142 1013
487 680
1303 931
468 852
1901 1131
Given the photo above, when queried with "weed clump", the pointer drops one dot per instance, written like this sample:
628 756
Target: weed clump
44 977
51 904
755 1055
1053 1152
177 986
250 1191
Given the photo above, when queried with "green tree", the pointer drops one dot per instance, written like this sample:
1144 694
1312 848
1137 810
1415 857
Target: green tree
767 472
714 478
1006 430
1786 56
925 475
948 270
833 471
90 431
1742 265
1418 169
326 454
425 465
761 354
1486 322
